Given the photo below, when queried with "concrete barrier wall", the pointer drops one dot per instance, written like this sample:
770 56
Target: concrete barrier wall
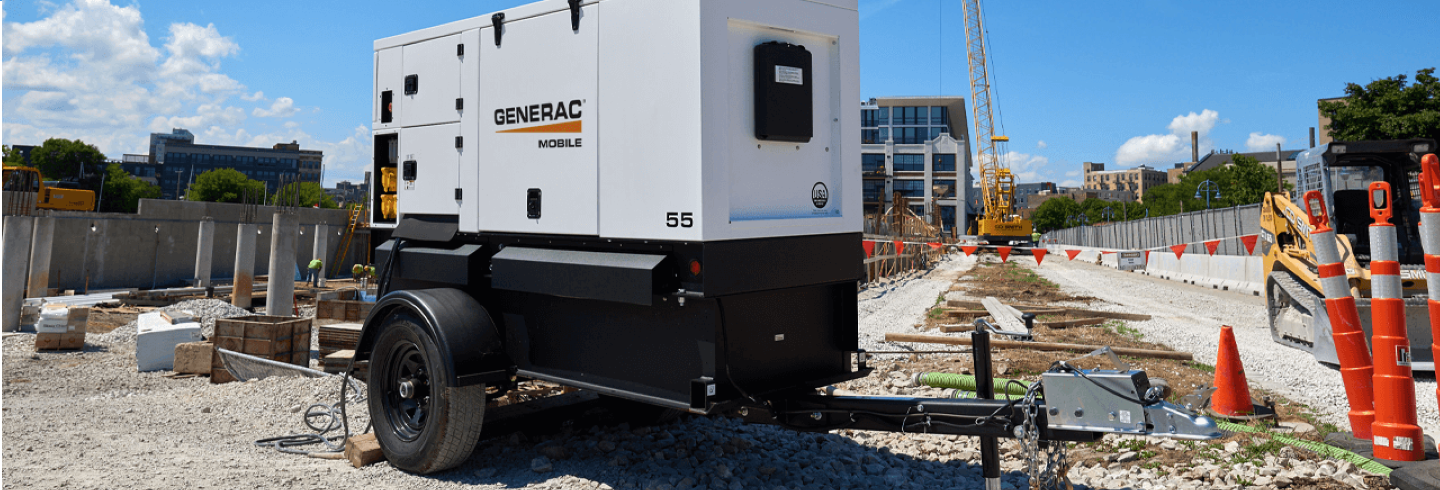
1244 274
113 250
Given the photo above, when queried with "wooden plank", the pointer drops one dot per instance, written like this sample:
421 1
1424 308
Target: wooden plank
1038 346
965 313
363 450
1075 323
1006 318
1054 310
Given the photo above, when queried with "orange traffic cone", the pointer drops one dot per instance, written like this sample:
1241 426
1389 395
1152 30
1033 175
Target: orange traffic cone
1232 393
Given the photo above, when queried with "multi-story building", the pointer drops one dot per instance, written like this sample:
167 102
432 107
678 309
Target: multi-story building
1135 180
181 160
1218 159
1078 195
919 147
1023 192
348 192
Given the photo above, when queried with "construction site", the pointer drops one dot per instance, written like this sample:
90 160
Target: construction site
766 307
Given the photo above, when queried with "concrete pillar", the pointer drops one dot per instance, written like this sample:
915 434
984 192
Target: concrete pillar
280 290
204 253
322 242
40 249
16 249
244 265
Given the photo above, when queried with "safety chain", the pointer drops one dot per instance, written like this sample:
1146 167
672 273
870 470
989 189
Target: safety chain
1055 474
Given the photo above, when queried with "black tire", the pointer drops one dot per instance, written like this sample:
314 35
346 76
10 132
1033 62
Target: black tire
423 424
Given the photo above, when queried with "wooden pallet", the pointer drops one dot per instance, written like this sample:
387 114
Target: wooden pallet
337 337
277 338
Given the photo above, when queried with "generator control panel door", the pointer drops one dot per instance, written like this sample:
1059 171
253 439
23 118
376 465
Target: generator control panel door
538 116
430 164
389 90
430 82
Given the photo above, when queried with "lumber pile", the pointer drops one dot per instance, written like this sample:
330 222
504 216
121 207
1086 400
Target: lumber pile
1054 310
1038 346
1006 318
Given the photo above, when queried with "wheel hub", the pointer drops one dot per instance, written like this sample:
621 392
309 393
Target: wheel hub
407 389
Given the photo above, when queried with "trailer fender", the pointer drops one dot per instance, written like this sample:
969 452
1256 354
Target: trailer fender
470 344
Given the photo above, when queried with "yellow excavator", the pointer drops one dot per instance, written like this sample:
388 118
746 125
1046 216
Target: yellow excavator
28 186
998 224
1342 172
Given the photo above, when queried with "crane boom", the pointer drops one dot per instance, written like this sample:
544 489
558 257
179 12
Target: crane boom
998 222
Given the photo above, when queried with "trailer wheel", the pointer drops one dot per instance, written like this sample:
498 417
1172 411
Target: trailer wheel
423 424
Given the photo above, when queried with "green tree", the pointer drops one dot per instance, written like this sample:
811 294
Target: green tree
1052 214
223 185
1387 108
12 157
62 159
123 191
310 194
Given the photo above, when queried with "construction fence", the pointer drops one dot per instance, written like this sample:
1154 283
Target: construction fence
1160 233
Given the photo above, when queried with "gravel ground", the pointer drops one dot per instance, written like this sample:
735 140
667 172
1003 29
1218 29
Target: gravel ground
87 419
895 305
1188 318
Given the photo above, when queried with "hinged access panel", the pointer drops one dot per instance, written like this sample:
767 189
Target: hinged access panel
431 82
436 170
538 112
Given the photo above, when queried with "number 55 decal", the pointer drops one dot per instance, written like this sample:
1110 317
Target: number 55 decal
683 220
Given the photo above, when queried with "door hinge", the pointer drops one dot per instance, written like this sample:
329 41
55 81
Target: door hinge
574 15
460 49
458 193
459 141
459 103
497 22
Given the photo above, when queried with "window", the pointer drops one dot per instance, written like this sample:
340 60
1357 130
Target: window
867 136
910 188
884 135
872 163
867 118
943 163
940 116
882 116
909 162
947 217
919 209
872 189
949 190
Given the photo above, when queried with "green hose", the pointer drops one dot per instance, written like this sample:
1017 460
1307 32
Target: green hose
1325 449
965 382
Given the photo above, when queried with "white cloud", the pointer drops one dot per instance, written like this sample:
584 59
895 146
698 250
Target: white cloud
282 107
1168 148
87 70
1041 145
1026 167
1262 142
1072 173
1069 183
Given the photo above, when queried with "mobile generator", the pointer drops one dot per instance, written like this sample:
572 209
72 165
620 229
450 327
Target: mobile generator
657 200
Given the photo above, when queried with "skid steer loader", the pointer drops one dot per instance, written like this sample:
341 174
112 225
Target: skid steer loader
1342 171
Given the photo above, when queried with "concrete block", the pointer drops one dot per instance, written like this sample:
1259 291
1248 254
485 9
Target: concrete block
156 340
194 357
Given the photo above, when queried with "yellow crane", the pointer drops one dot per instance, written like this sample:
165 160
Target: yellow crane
998 222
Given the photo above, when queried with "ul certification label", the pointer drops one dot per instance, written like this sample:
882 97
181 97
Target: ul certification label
1402 355
790 75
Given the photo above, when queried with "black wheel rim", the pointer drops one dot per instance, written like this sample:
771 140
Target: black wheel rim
407 391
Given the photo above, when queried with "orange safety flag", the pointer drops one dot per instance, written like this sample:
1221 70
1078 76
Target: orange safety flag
1179 249
899 247
1004 253
1249 241
1212 245
969 249
1072 253
934 245
1039 254
869 247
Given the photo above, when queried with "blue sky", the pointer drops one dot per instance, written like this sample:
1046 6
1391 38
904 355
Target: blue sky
1121 82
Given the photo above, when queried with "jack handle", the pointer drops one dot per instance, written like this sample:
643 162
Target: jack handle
1380 202
1315 207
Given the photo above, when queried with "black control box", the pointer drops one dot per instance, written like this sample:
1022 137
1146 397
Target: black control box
784 100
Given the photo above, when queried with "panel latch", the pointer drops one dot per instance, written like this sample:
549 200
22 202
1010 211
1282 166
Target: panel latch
497 22
532 203
574 15
412 84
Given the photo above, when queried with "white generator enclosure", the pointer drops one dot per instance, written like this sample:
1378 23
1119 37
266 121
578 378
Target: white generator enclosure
669 120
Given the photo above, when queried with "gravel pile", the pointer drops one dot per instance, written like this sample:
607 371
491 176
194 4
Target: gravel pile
1188 318
206 309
